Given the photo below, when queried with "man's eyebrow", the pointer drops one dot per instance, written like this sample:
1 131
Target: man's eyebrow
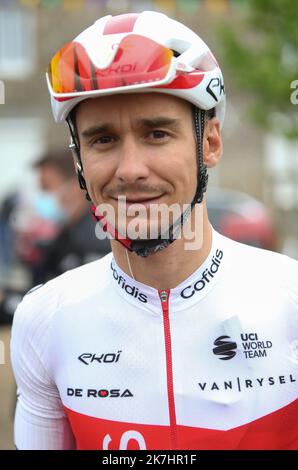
94 130
149 123
159 121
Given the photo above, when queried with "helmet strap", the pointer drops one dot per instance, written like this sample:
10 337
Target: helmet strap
75 147
199 121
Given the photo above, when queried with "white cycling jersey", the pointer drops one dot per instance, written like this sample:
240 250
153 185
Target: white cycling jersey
105 362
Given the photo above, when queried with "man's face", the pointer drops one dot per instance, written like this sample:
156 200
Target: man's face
140 146
50 178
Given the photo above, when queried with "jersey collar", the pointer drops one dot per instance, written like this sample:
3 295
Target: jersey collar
186 294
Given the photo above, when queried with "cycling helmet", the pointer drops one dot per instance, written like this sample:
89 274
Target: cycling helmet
138 53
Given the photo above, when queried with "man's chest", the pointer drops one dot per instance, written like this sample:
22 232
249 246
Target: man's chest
204 380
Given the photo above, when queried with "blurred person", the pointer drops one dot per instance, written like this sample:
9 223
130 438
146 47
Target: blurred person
53 169
157 345
76 244
39 215
31 220
52 230
7 207
9 295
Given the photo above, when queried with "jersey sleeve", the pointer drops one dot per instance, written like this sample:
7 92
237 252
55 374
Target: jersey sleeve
40 421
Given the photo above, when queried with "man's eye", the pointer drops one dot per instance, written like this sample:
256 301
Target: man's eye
104 139
159 134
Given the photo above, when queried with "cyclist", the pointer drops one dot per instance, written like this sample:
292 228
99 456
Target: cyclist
158 345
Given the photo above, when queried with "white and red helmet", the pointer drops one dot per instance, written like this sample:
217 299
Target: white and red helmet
130 53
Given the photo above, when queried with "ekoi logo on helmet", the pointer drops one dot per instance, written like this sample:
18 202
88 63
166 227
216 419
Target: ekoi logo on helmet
215 88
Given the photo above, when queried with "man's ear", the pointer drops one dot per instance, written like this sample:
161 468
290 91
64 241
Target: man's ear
212 143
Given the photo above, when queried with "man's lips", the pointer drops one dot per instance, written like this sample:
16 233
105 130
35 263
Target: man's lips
145 200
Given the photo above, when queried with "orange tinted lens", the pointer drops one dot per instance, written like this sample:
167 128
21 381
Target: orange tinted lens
138 60
61 70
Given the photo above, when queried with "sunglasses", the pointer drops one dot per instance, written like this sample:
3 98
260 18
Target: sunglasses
132 63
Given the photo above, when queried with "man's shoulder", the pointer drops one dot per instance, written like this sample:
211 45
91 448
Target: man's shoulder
43 301
260 264
256 254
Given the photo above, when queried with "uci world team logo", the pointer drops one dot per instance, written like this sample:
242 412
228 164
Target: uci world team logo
225 348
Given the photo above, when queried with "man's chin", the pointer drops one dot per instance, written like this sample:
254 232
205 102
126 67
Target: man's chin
143 230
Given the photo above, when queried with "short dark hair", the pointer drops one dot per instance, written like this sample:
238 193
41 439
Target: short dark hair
60 159
210 113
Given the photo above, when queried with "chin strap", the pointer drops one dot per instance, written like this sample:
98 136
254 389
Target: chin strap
145 248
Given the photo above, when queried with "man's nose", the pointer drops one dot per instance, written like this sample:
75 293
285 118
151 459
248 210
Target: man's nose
132 162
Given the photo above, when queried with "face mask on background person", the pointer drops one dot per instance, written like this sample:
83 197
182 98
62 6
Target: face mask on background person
46 206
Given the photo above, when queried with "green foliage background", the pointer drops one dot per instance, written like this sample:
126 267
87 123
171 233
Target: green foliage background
260 52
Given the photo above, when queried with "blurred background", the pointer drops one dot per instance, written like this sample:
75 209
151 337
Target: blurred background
45 225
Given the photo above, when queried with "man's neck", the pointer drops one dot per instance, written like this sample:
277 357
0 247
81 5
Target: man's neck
169 267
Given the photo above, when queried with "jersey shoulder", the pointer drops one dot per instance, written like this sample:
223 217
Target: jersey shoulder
265 267
71 286
34 315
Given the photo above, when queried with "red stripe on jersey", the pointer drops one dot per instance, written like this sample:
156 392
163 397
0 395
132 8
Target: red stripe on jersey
121 24
277 430
169 363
